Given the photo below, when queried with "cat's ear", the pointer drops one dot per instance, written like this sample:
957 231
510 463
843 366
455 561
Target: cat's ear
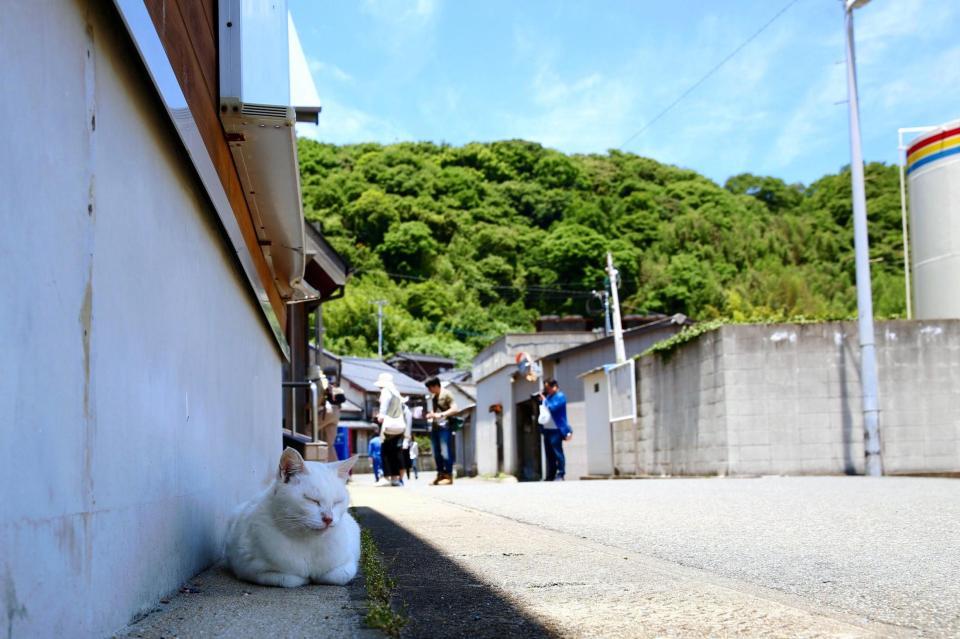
343 467
291 464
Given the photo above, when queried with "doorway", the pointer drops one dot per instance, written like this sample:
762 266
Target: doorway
529 458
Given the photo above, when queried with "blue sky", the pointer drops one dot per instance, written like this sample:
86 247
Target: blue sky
583 77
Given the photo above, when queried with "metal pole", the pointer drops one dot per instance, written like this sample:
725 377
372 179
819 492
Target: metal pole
319 330
604 295
315 407
617 326
903 220
380 304
868 357
606 313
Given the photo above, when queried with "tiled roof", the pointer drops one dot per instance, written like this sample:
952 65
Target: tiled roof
363 372
423 357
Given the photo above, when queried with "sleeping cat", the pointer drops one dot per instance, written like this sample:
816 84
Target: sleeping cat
298 530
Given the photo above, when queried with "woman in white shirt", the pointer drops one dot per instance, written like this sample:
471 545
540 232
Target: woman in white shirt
394 429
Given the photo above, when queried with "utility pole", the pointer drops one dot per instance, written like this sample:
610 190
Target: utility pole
605 296
318 330
380 304
868 355
617 326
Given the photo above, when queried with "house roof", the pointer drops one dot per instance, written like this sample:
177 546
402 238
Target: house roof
363 372
679 319
325 270
468 390
456 375
349 407
423 357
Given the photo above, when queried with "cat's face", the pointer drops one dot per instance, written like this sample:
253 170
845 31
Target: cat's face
309 500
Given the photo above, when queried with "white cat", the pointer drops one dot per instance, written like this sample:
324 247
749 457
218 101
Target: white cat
298 530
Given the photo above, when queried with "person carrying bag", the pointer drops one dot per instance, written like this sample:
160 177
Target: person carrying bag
395 431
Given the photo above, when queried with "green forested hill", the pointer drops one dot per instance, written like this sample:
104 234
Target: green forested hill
467 242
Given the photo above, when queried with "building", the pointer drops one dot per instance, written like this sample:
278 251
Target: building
147 289
505 437
590 452
420 366
464 393
326 274
508 435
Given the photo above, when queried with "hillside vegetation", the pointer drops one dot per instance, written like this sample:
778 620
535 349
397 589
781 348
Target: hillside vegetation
465 243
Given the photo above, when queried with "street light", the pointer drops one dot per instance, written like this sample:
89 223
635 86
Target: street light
868 355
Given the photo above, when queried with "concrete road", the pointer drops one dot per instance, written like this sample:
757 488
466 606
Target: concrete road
817 556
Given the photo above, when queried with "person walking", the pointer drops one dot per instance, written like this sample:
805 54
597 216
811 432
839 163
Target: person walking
554 428
373 451
441 435
334 397
414 455
394 429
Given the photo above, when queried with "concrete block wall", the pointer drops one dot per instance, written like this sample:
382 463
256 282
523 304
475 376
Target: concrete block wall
919 364
786 399
681 422
793 398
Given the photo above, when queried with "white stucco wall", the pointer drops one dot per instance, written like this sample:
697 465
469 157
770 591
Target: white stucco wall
495 389
139 386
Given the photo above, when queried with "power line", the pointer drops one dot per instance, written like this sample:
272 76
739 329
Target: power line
529 289
709 73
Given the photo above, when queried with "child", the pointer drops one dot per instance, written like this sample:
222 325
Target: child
373 450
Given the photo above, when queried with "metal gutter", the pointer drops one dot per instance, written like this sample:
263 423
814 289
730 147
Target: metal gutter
147 41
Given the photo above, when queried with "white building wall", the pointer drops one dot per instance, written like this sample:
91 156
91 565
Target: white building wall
495 389
598 427
140 387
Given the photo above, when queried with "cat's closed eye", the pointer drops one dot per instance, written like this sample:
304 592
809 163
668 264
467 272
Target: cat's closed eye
317 502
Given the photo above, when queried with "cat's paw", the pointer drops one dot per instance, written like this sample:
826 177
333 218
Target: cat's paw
279 579
339 576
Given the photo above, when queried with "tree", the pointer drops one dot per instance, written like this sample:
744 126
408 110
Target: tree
408 248
481 238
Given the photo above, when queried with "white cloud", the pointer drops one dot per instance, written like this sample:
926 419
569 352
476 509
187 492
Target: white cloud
394 11
340 124
587 113
811 125
322 70
882 23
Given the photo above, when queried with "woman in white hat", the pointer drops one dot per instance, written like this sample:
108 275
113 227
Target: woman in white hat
394 429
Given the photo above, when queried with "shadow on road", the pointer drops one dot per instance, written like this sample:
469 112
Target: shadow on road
440 597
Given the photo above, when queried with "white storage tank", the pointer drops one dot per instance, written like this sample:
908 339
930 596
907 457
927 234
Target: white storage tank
933 173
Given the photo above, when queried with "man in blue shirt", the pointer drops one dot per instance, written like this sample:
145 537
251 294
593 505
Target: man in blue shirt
555 429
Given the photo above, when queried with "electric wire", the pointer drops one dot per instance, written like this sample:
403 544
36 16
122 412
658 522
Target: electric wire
529 289
707 75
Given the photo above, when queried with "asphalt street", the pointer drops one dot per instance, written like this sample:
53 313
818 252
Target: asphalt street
875 557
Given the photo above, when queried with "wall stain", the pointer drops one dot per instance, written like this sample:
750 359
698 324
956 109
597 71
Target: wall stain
12 607
86 317
85 552
66 535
